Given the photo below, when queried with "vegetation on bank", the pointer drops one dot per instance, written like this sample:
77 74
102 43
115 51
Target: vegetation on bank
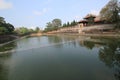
26 31
110 13
5 28
8 32
56 24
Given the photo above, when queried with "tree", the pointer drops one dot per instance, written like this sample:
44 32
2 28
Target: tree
49 26
110 13
64 25
73 23
22 31
68 24
37 29
5 28
56 23
10 27
2 20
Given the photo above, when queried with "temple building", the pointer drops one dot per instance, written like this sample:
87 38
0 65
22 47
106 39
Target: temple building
90 19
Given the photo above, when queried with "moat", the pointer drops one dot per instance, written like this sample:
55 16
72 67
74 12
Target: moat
61 57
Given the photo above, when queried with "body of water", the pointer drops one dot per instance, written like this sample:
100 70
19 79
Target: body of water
61 57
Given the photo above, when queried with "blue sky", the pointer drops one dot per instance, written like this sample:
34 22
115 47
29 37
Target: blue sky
32 13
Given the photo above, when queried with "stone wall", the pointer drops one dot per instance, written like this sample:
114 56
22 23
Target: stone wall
87 29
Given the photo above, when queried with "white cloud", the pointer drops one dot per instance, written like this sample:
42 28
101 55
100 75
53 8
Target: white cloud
94 12
5 5
39 13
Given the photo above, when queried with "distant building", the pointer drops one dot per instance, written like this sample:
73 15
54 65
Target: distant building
90 19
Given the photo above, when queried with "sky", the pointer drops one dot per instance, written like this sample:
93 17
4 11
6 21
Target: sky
36 13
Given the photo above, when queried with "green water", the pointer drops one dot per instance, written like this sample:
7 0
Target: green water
61 57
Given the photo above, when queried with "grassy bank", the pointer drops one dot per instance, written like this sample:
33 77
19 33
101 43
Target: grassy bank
6 38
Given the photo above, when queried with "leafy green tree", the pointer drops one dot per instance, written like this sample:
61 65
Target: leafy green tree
10 27
64 25
56 23
49 26
2 20
31 31
68 24
5 27
22 31
73 23
110 13
3 30
37 29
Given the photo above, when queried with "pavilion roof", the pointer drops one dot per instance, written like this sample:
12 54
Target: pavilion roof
89 15
97 19
83 21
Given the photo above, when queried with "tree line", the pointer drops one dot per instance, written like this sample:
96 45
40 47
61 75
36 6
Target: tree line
56 24
7 28
21 31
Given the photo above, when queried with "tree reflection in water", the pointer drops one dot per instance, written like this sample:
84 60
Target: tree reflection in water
4 68
109 52
110 55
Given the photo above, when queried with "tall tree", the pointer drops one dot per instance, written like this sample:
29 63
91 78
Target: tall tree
2 20
37 29
5 27
49 26
57 22
73 23
54 25
110 13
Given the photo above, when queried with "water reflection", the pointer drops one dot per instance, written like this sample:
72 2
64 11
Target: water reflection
54 62
7 47
110 55
109 52
4 66
62 39
4 59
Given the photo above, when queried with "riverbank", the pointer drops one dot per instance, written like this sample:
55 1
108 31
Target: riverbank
36 34
11 40
104 34
7 38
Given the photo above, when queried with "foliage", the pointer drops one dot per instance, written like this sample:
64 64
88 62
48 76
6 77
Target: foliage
5 28
54 25
23 31
70 24
37 29
2 20
110 13
110 55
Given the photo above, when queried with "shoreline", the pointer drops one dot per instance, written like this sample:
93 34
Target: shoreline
104 35
112 35
5 43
